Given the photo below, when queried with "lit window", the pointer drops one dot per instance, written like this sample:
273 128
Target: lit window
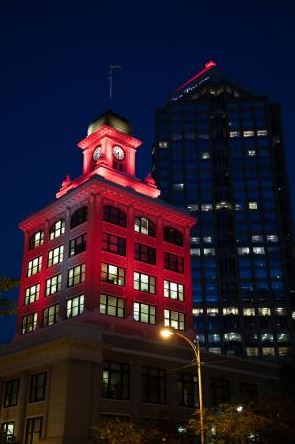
261 133
195 240
257 238
192 207
252 205
230 311
173 290
280 311
29 323
7 431
252 351
283 337
115 380
272 238
76 275
163 144
243 250
251 153
233 336
223 204
249 311
198 311
53 285
144 226
258 250
283 351
144 282
113 274
178 186
213 311
55 256
293 314
209 251
195 251
36 240
213 337
50 315
214 350
174 319
32 294
248 133
265 337
75 306
34 266
57 229
144 313
111 306
234 134
264 311
206 207
268 351
207 239
205 155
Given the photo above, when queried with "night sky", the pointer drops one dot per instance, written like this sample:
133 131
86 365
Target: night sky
54 68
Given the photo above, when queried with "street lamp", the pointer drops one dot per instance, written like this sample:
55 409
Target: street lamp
166 333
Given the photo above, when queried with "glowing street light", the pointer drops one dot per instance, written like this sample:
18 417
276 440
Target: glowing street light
166 333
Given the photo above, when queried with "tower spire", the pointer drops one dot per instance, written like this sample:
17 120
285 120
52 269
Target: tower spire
110 78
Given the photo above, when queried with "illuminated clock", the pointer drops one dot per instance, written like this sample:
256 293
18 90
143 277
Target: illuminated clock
96 153
118 152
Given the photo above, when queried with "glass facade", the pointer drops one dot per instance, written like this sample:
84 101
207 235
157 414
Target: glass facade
218 153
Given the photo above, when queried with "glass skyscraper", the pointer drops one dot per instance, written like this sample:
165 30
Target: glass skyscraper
219 153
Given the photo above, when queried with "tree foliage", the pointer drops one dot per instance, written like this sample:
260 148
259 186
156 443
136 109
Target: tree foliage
7 306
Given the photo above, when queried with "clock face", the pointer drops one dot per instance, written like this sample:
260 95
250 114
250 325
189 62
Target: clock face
118 152
96 153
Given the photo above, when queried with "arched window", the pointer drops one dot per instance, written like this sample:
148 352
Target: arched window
173 236
114 215
36 240
57 229
144 226
79 217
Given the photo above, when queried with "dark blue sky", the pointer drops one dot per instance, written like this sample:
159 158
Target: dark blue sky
54 62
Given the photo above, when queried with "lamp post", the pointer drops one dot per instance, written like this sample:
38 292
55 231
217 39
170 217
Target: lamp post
166 333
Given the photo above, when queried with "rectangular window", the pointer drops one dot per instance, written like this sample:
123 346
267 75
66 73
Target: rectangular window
173 262
144 226
113 274
55 256
29 323
115 380
76 275
7 431
32 294
187 389
77 245
111 306
53 285
154 385
79 217
75 306
144 253
50 315
173 290
144 313
144 282
114 244
36 240
37 387
252 205
34 266
174 319
57 229
219 391
11 393
33 430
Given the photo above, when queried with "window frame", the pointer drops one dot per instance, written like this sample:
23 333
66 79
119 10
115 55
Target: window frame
179 292
57 229
145 226
79 217
138 312
119 311
37 389
173 236
145 253
72 280
77 245
114 215
151 282
113 389
11 393
113 243
119 276
77 309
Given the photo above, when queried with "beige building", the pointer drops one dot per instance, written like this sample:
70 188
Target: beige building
59 384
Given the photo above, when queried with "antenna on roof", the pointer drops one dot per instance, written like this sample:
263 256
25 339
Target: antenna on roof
110 78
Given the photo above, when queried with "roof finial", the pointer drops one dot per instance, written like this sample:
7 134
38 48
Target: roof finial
111 68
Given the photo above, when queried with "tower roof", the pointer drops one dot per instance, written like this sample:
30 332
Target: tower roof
111 119
210 75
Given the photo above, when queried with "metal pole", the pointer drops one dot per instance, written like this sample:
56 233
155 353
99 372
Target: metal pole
196 350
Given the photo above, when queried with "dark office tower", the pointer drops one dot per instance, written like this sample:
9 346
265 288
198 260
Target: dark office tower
219 153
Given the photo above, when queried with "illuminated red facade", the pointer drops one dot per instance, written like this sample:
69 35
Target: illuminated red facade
107 250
